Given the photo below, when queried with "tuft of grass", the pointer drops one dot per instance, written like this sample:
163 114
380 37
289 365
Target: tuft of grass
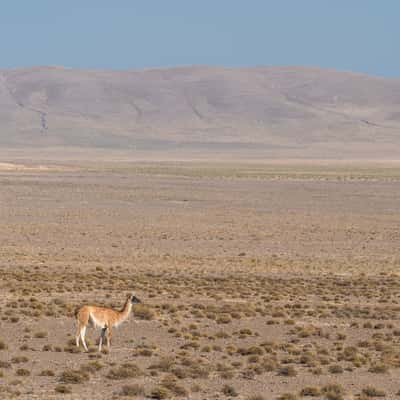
19 359
333 392
165 364
142 311
132 390
159 392
63 389
378 369
47 372
371 391
124 371
311 391
224 319
288 396
72 349
5 364
170 382
229 391
23 372
74 376
287 371
40 335
335 369
92 367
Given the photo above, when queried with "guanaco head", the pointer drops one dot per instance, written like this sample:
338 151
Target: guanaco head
134 299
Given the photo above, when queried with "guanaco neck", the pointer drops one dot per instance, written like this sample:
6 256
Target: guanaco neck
126 310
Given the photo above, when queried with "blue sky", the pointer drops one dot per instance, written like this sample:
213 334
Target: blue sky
357 35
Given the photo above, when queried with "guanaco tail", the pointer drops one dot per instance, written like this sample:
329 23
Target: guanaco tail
104 318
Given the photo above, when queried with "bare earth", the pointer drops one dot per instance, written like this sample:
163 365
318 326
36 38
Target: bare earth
258 280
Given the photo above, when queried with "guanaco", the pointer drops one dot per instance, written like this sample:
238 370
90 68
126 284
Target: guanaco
104 318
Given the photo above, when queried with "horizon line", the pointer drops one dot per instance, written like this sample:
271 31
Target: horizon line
188 66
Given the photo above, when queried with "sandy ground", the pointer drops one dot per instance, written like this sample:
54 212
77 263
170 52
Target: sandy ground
256 280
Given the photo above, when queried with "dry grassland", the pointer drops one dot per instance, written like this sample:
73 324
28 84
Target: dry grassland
274 281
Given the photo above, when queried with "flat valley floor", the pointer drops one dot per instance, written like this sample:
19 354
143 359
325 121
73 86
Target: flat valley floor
258 281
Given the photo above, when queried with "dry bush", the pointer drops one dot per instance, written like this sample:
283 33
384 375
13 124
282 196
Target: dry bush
333 392
159 392
378 368
288 396
23 372
371 391
124 371
63 389
311 391
172 385
74 376
335 369
287 371
47 372
92 367
132 390
165 364
19 359
229 391
143 311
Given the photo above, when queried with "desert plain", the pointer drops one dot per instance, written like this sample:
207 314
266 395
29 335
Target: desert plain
259 280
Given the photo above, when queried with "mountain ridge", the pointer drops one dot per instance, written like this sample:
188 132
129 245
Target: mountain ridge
309 110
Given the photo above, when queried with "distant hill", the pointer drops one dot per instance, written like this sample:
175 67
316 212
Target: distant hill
290 111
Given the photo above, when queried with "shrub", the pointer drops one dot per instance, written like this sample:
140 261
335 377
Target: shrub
132 390
335 369
159 392
165 364
333 392
370 391
172 385
19 359
23 372
124 371
5 364
310 391
92 367
229 390
141 311
287 371
74 376
378 369
288 396
62 389
47 372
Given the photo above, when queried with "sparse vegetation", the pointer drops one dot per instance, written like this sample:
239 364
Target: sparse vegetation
132 390
74 376
124 371
63 389
219 310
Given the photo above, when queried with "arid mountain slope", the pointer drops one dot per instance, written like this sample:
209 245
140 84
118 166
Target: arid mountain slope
285 111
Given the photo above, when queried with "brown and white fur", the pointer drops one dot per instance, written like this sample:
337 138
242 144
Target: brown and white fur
104 318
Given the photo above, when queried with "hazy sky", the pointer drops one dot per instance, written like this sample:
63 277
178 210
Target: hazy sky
358 35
